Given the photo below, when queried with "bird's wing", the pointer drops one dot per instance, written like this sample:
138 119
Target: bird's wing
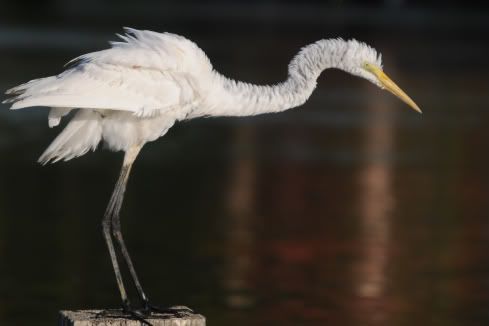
147 74
104 87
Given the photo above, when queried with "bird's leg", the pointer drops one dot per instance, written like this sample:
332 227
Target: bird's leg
113 212
118 196
106 227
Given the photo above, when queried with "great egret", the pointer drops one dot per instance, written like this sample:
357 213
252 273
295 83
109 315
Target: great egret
133 92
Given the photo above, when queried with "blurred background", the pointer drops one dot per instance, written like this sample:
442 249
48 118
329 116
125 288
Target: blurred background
350 210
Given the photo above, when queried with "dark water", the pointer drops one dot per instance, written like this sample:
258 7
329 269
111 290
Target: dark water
352 210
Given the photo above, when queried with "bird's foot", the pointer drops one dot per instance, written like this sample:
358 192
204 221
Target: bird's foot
146 311
127 312
136 314
176 311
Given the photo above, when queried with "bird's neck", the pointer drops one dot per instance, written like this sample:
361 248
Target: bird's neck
233 98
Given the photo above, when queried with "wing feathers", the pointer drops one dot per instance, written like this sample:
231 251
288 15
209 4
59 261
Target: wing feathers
146 73
101 87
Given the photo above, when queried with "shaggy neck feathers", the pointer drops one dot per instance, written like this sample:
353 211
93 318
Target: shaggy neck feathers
243 99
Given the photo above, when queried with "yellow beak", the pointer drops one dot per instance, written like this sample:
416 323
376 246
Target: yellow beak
388 84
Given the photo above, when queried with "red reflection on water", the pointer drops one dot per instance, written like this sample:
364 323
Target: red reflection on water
241 206
376 204
301 261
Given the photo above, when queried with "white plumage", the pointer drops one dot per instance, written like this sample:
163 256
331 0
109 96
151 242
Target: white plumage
82 134
139 87
133 92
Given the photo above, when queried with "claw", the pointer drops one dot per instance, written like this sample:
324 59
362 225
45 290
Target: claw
177 311
137 315
145 312
126 312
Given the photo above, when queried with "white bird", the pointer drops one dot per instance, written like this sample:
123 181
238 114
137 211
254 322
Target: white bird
133 92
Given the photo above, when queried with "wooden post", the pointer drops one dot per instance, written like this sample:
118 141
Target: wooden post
94 318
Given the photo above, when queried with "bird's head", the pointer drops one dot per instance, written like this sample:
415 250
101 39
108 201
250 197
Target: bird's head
364 61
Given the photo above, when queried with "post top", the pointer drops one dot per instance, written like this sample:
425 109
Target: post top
115 317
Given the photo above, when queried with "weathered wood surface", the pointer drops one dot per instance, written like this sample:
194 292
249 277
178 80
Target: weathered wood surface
93 318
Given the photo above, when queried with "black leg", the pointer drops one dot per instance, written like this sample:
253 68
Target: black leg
116 228
106 226
113 217
111 224
113 208
118 236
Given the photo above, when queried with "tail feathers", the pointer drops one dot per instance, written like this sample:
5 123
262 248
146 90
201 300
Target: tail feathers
83 133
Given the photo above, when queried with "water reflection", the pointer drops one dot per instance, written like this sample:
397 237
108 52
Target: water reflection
240 237
377 201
